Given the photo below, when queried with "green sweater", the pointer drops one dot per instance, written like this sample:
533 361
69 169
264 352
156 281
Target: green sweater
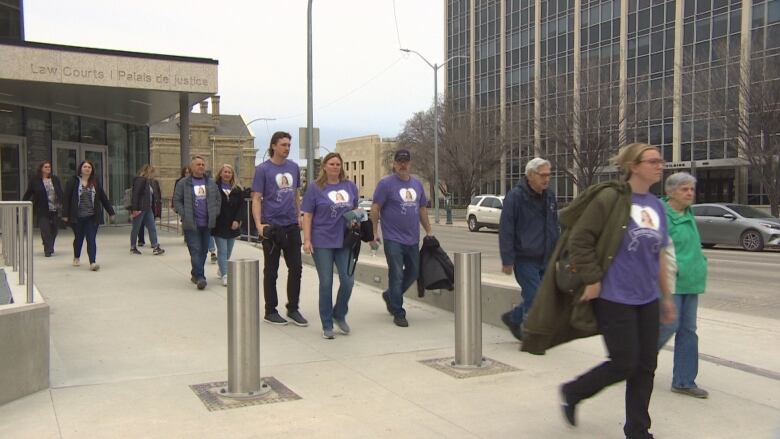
691 264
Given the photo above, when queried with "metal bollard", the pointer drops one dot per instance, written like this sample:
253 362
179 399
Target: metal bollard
468 309
244 330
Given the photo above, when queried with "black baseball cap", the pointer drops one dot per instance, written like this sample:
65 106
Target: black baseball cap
402 155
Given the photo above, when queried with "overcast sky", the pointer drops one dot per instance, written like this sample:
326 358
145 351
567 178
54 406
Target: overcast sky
362 83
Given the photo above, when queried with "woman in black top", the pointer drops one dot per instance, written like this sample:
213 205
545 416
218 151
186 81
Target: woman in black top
83 205
45 191
228 225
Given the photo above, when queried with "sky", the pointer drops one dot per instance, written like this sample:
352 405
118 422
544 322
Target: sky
363 84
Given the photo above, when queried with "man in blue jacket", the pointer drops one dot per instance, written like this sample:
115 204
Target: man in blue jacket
527 235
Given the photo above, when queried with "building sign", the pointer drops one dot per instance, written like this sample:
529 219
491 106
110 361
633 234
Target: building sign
47 65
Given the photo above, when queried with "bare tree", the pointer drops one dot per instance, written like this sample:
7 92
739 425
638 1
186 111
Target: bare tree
470 146
745 99
590 134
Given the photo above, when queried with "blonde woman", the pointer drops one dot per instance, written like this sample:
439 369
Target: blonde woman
146 200
324 226
228 225
628 295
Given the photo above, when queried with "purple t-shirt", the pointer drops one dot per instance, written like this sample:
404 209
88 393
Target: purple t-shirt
201 207
327 206
632 278
400 203
278 184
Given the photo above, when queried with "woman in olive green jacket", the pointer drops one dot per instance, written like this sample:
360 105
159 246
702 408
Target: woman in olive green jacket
690 281
630 297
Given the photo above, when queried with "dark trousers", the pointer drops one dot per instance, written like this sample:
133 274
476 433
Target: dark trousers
85 228
49 226
292 257
631 336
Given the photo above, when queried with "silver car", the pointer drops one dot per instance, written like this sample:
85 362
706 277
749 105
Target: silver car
736 224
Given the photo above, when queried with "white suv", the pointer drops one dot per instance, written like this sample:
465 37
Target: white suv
484 211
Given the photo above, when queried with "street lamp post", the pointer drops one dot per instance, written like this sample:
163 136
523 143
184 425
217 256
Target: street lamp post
309 103
435 68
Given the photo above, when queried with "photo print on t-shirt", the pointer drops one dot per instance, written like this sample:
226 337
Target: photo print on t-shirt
646 224
340 198
408 198
284 181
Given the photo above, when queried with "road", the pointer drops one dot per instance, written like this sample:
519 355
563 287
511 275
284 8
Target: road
739 281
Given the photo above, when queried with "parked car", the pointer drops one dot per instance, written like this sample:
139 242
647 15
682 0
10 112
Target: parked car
366 205
736 224
484 211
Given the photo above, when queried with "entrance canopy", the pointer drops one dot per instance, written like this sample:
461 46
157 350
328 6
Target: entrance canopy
130 87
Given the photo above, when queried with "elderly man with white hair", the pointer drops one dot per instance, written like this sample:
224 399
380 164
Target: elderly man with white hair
527 235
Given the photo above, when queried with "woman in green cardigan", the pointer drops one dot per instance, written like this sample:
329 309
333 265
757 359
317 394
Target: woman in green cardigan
690 280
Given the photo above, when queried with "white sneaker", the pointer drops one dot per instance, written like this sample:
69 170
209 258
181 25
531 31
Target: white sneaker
76 262
224 280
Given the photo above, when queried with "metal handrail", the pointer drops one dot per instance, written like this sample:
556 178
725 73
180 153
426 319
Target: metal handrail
17 241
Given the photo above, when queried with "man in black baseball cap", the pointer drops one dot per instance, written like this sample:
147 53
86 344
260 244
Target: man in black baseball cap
402 155
399 200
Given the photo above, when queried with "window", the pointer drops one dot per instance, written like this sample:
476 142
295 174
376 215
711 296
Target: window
362 180
362 165
346 166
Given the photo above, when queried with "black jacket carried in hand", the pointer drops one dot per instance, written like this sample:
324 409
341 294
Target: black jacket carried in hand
232 209
437 272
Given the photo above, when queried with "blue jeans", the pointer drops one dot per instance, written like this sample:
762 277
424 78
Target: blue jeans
403 269
85 228
212 244
224 250
686 342
529 275
198 244
324 258
145 218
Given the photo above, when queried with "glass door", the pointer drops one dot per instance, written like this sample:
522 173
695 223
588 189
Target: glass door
68 155
98 155
12 168
66 159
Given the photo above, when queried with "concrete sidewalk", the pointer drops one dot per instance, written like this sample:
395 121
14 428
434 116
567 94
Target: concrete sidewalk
128 341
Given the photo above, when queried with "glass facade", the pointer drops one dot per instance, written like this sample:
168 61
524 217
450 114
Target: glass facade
127 145
458 43
637 107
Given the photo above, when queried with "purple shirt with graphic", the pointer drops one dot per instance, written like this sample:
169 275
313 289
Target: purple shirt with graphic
201 207
327 206
400 203
632 278
278 185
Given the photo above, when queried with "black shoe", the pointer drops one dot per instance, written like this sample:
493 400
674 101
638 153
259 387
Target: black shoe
201 283
387 302
141 243
568 408
275 319
194 279
514 328
297 318
641 436
134 251
47 254
158 250
400 321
